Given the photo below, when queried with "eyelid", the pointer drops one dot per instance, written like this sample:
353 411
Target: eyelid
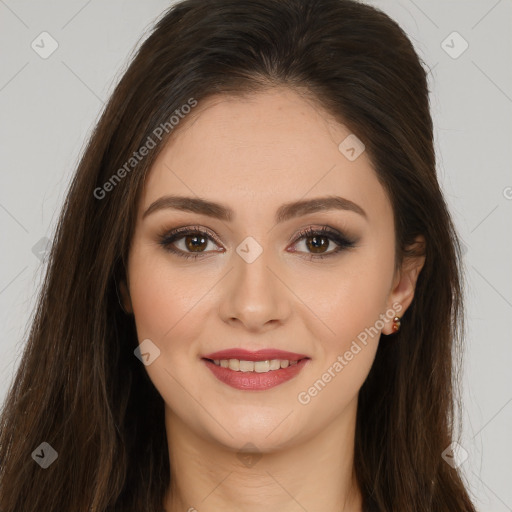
324 230
191 229
342 241
337 236
171 235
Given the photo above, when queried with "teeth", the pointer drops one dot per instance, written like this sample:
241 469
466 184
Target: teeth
254 366
275 364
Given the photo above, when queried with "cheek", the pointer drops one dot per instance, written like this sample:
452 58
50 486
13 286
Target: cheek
355 304
350 302
165 300
349 298
346 350
166 305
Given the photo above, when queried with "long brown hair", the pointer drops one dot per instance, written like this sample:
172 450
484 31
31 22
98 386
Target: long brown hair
79 386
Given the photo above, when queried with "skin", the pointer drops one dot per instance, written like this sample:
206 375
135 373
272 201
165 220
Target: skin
253 155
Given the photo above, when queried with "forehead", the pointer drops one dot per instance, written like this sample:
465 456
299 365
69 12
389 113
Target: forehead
259 151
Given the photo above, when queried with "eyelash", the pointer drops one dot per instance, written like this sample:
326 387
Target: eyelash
166 240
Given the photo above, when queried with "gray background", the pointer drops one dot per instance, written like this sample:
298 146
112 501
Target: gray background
49 106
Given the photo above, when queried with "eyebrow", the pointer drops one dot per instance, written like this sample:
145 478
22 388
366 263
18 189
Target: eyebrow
285 212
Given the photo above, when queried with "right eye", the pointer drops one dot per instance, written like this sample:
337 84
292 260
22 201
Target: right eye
195 240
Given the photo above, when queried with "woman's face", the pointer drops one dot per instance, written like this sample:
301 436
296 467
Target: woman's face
254 284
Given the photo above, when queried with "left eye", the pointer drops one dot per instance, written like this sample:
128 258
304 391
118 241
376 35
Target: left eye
196 241
318 239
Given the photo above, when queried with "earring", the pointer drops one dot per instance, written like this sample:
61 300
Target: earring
396 324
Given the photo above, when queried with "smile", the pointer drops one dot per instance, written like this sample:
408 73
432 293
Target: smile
255 375
238 365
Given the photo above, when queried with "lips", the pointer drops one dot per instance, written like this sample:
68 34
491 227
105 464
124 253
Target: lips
252 380
260 355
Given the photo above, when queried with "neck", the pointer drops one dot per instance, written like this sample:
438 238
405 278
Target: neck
316 473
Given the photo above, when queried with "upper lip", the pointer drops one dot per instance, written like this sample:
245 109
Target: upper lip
260 355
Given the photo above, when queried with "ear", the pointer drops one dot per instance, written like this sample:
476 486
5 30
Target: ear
125 296
404 283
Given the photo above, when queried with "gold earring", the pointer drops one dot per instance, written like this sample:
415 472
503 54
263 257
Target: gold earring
396 324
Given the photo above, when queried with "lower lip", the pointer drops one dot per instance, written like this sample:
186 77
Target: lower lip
252 381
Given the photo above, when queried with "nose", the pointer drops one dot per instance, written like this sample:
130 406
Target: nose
255 294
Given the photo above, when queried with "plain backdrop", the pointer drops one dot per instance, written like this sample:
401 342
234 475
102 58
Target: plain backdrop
49 106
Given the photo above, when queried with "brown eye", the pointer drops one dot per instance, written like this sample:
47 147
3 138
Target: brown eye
317 244
195 243
317 241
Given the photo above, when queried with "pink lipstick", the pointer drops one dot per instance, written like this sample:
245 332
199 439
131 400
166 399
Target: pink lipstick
260 370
